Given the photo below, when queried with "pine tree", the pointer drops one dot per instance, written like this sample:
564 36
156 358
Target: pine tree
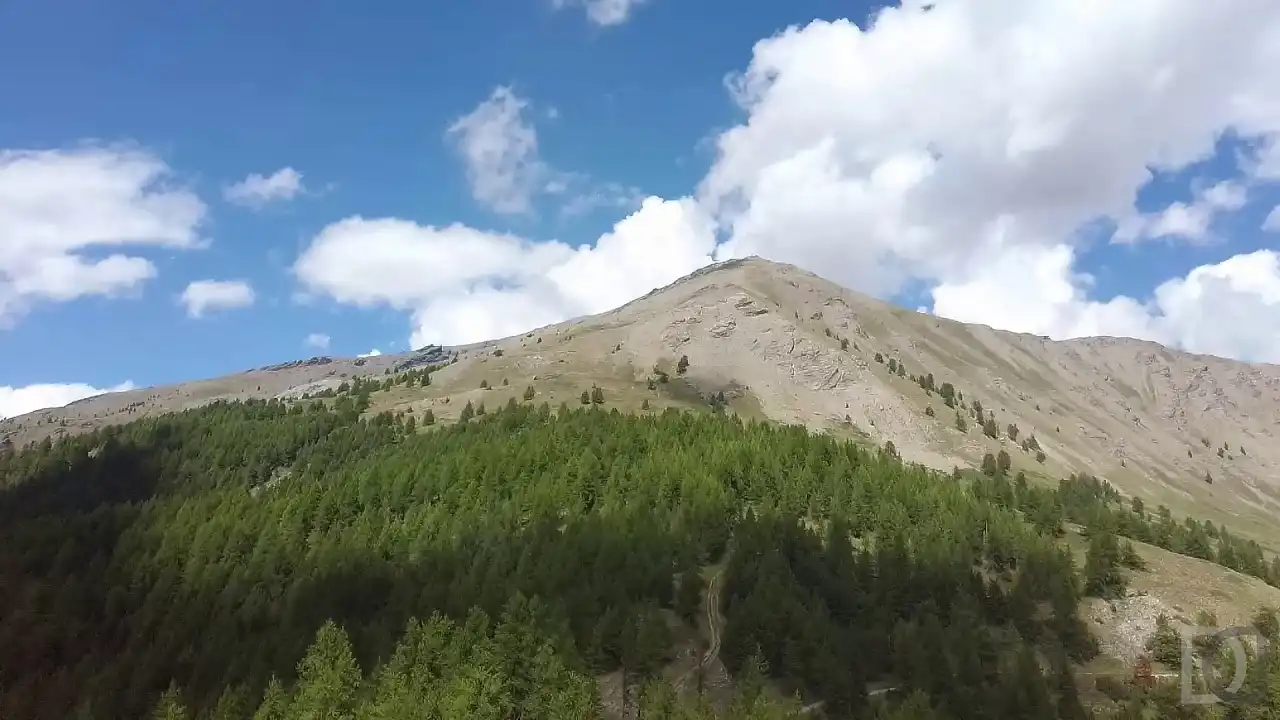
529 393
233 704
170 705
1102 575
989 428
1165 644
989 467
275 702
689 595
586 398
468 412
597 395
1069 705
683 365
429 417
328 677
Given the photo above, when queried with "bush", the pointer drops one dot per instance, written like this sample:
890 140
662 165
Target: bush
1115 688
989 467
1267 622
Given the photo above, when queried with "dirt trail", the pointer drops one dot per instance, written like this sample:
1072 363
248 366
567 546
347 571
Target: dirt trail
715 628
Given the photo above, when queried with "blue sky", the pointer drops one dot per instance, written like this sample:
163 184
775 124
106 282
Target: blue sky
359 102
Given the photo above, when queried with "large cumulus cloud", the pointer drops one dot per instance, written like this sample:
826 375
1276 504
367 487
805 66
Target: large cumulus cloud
962 143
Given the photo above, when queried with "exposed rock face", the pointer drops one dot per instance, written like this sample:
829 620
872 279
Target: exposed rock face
309 362
429 355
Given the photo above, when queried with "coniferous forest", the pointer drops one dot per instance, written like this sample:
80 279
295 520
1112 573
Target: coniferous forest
276 560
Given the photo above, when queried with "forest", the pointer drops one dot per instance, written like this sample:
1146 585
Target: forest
281 560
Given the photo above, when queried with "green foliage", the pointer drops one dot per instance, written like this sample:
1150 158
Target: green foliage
1102 575
468 412
328 677
529 393
948 393
682 365
170 706
1267 621
990 429
989 467
1003 462
490 568
585 398
597 395
1165 645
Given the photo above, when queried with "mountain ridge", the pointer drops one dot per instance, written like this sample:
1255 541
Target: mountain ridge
1186 430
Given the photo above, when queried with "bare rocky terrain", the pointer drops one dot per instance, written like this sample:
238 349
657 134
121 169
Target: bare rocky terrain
786 345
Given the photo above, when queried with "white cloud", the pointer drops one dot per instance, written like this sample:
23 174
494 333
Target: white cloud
66 216
1272 223
499 146
500 149
964 144
257 190
967 145
372 353
608 195
464 285
319 341
1033 291
1188 221
202 296
604 13
15 401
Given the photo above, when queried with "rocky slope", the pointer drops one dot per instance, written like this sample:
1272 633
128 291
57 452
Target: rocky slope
788 345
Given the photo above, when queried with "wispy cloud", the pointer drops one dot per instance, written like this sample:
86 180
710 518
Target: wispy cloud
257 191
202 296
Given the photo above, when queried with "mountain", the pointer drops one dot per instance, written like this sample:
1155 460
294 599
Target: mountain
1196 433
